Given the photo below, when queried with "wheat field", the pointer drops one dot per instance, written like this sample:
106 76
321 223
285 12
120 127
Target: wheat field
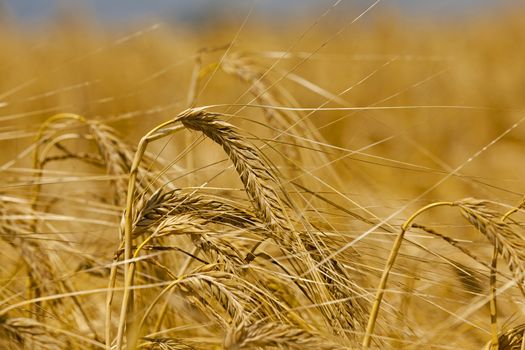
319 184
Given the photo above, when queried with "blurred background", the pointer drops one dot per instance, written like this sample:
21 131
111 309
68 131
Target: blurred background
123 60
193 12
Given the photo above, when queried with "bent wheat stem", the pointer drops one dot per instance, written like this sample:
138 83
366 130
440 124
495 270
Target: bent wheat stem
386 272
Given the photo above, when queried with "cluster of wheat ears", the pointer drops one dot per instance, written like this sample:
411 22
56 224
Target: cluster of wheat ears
202 267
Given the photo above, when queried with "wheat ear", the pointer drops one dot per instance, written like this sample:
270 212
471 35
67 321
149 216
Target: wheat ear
253 172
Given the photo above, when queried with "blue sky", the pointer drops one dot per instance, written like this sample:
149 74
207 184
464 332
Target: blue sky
186 10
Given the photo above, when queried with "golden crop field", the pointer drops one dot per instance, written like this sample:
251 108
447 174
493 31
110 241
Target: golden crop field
318 184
